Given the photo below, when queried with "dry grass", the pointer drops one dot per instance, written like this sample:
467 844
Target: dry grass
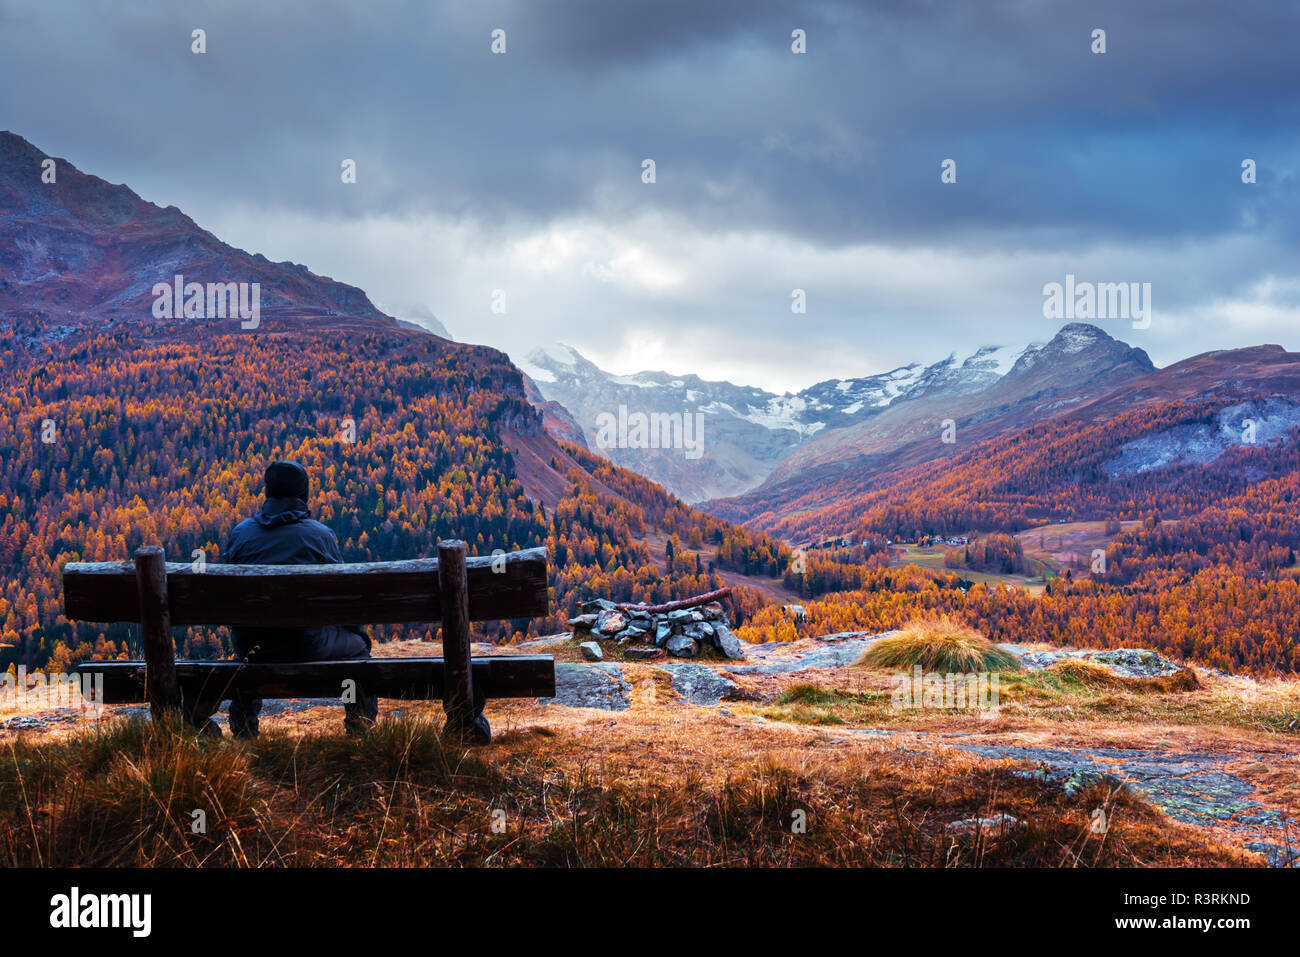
402 796
662 783
939 645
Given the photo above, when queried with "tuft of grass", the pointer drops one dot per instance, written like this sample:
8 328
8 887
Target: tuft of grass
127 794
811 694
939 645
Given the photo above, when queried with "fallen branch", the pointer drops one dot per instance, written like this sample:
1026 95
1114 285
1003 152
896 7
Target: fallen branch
676 605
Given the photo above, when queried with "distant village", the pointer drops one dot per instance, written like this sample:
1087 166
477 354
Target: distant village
923 541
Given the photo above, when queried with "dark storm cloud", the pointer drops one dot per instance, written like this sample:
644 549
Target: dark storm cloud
839 145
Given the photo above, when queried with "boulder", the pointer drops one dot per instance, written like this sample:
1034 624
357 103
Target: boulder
679 646
726 642
662 632
597 605
643 653
582 622
591 651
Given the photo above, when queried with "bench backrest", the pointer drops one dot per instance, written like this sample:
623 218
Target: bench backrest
452 589
512 585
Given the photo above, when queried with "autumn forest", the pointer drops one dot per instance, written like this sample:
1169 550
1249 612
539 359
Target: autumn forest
143 434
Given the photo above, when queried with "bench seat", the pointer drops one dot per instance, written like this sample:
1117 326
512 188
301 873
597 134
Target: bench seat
500 676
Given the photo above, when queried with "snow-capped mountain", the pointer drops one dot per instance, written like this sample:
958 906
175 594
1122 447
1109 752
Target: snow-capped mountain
747 431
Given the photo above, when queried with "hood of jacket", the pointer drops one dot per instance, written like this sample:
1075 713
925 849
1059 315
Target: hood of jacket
282 511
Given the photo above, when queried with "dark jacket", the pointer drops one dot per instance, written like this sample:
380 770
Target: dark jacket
282 533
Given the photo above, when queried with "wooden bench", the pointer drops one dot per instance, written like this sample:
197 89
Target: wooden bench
451 589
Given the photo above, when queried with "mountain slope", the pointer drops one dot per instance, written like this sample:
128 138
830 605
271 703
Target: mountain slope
83 251
1174 441
946 414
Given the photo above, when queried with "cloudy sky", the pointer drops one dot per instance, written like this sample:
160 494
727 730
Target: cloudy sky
775 171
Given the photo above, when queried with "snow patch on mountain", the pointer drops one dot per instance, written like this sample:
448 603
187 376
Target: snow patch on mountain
1201 444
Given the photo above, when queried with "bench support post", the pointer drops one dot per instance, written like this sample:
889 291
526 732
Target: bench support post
465 719
161 687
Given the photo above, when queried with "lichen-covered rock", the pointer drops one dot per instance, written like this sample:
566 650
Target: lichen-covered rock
1125 662
591 651
583 622
597 605
611 622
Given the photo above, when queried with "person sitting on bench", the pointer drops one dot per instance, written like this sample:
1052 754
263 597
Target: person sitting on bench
283 533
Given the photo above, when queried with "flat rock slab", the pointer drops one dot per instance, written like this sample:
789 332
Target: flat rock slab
835 654
599 685
698 684
1125 662
1191 787
542 642
39 722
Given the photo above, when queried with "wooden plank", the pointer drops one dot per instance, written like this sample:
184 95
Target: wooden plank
156 632
453 588
512 585
513 676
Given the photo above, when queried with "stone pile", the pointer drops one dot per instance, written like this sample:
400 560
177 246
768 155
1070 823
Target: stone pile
684 633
